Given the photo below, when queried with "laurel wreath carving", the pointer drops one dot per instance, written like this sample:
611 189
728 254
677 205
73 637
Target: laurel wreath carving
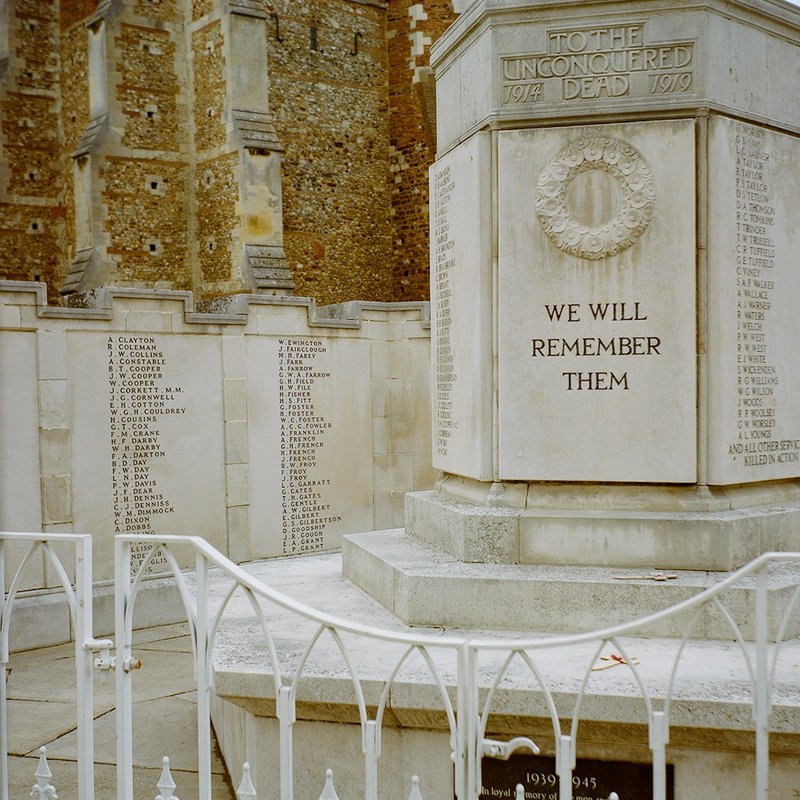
624 164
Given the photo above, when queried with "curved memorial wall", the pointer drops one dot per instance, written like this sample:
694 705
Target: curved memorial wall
269 427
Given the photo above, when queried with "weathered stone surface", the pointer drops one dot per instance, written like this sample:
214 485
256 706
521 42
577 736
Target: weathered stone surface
534 63
425 586
461 316
596 282
119 84
711 724
253 427
628 345
19 423
753 329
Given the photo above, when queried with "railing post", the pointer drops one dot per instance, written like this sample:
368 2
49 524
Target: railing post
166 783
761 700
470 750
565 763
459 754
3 677
84 667
203 669
659 737
371 754
43 789
123 636
286 718
415 793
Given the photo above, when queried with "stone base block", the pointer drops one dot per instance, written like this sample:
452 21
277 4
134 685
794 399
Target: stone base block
635 528
423 586
711 737
706 757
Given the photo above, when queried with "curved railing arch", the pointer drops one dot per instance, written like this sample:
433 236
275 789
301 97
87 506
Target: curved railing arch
79 602
470 718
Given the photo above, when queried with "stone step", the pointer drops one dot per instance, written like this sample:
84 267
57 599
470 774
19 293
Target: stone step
426 587
710 714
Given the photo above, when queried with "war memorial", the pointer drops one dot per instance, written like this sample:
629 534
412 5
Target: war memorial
596 417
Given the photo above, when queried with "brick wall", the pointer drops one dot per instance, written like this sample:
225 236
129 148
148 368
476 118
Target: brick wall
73 11
145 179
148 91
412 27
208 64
145 201
32 215
352 99
330 109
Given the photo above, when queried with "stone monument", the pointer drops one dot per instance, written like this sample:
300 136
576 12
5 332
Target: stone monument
614 210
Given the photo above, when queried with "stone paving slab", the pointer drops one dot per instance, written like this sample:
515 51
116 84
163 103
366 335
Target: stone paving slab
42 711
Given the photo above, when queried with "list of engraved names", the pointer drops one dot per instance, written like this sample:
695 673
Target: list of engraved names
444 264
306 512
757 282
141 398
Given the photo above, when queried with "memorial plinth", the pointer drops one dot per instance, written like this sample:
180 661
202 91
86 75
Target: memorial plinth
614 211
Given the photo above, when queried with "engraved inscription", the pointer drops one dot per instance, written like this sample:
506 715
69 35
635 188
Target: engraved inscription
305 489
592 779
142 399
616 344
670 82
757 281
598 62
522 92
627 169
445 377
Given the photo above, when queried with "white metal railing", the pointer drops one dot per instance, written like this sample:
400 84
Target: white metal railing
481 664
79 598
468 673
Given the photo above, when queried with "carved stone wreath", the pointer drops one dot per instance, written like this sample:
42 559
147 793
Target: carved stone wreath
626 166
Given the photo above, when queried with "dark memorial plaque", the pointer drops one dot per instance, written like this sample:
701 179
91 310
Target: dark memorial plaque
591 779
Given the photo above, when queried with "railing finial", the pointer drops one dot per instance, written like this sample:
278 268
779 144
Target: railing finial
329 792
43 789
165 783
246 789
415 795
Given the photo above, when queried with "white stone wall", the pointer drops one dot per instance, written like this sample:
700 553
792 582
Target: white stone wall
268 427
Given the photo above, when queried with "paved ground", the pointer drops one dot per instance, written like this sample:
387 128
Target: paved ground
41 711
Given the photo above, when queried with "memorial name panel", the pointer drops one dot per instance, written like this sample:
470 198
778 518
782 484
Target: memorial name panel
461 309
757 375
139 401
597 291
310 443
158 467
442 276
307 503
757 435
